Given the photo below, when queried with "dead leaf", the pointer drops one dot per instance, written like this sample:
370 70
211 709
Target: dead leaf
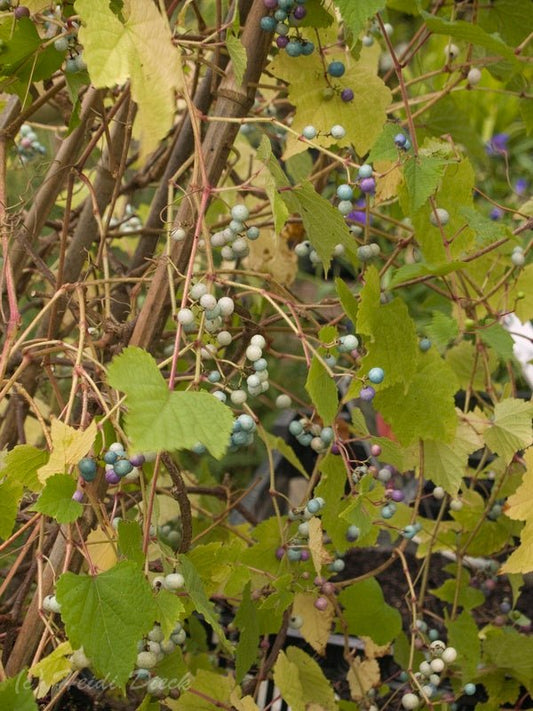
362 676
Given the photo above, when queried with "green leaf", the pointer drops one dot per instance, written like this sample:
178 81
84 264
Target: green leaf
273 178
463 635
305 80
511 652
237 53
141 50
316 16
412 271
392 343
284 449
322 390
445 464
486 230
511 427
384 148
496 337
56 499
16 694
130 541
195 590
357 14
22 463
511 19
366 612
248 626
52 669
467 597
107 614
426 410
347 299
10 495
442 329
158 419
526 110
316 212
471 33
301 681
208 691
169 611
331 488
422 175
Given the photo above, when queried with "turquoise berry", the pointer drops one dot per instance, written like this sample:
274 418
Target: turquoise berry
309 132
296 428
469 689
352 533
313 506
268 24
376 375
387 512
293 49
87 468
337 566
122 467
110 457
424 344
240 213
294 554
336 69
307 48
252 233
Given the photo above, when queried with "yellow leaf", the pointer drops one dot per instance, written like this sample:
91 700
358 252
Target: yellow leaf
68 447
520 504
134 44
102 550
319 554
521 561
52 669
316 627
270 254
362 676
387 185
245 704
373 650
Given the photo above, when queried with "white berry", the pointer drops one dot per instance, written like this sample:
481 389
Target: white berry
146 660
208 302
474 76
410 701
437 665
449 655
439 216
438 492
226 305
185 317
174 581
283 401
238 397
253 352
451 51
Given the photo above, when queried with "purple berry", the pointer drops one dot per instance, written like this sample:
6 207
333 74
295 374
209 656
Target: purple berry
375 450
367 393
397 495
111 477
21 11
137 460
270 4
347 95
321 603
327 588
367 185
335 449
282 42
280 552
77 496
304 555
299 12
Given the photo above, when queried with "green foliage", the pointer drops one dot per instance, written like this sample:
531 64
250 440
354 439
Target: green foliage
367 613
322 390
16 693
130 541
22 464
158 419
56 499
247 623
301 681
107 614
10 495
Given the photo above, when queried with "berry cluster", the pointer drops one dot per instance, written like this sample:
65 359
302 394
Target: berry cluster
285 15
151 651
429 675
117 466
313 435
131 222
28 144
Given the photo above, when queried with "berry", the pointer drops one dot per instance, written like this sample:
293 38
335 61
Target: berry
174 581
240 213
268 24
294 49
283 401
469 689
344 192
375 450
474 76
410 701
367 41
309 132
87 468
61 44
338 131
78 496
347 95
321 603
400 140
338 565
424 344
439 216
258 340
352 534
299 12
451 52
296 428
518 258
367 185
21 11
336 69
437 665
367 393
295 622
365 171
294 554
307 48
345 207
449 655
387 512
376 375
122 467
409 532
439 493
185 317
252 233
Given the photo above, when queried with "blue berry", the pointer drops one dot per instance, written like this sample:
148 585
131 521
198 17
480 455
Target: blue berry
294 49
388 511
400 140
345 207
307 48
110 457
87 468
407 145
294 554
424 344
252 233
352 534
337 566
469 689
296 428
336 69
409 532
240 213
309 132
313 506
338 131
280 15
326 435
376 375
